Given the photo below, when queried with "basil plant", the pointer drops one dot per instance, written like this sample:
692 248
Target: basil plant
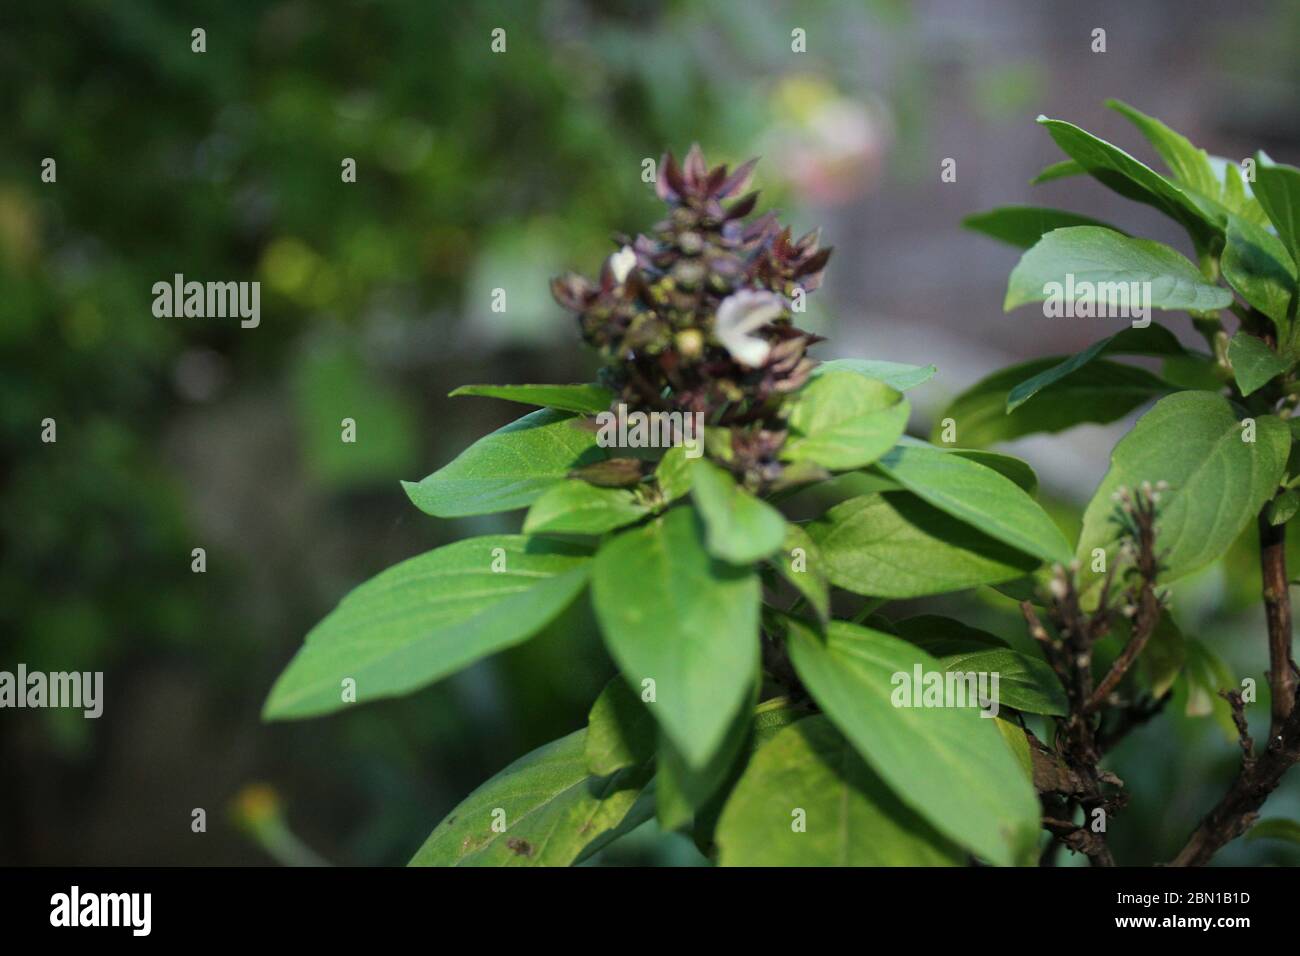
718 485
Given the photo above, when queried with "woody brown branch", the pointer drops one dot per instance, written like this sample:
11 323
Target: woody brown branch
1258 776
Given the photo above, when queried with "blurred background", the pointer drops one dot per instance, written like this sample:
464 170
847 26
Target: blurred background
476 171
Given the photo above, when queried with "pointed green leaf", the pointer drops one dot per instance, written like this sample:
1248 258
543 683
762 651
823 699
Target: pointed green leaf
1024 225
1254 364
1152 340
1277 187
1218 482
1275 829
428 617
948 764
979 496
673 614
843 421
585 399
1134 180
554 813
509 468
1062 170
1257 265
809 772
1099 392
894 545
1111 262
576 507
1190 166
740 528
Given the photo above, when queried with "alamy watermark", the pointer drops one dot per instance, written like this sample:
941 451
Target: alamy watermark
75 689
922 688
1099 300
208 300
624 429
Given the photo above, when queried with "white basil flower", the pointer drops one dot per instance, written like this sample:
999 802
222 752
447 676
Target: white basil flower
739 316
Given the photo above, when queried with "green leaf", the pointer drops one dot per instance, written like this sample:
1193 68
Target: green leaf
740 528
1163 657
1190 166
1217 481
897 375
1277 187
576 507
1019 745
1024 682
1119 171
850 818
555 814
1099 392
585 399
1254 364
1110 262
672 614
948 764
843 421
620 731
1007 466
1257 265
1024 225
509 468
799 561
1152 340
1276 828
1204 677
940 636
681 789
1062 170
673 474
1283 508
428 617
979 496
894 545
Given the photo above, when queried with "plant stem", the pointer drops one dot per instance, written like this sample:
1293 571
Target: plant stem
1258 776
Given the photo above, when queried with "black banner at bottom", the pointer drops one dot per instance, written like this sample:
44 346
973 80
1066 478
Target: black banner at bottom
338 905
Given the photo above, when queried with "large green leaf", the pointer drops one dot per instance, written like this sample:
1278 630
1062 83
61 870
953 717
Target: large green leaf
740 528
948 764
586 399
1132 179
1110 260
807 799
979 496
1151 340
673 614
542 810
897 375
428 617
1257 265
1099 392
509 468
1254 364
1217 481
1024 225
1277 187
894 545
842 421
576 507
